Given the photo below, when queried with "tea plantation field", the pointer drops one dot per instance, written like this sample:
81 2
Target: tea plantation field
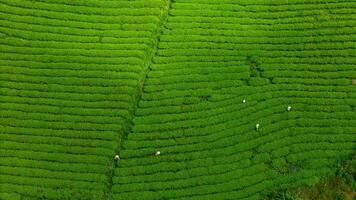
201 99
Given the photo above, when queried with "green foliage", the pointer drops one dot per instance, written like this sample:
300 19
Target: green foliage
347 172
212 56
188 78
336 185
285 195
69 81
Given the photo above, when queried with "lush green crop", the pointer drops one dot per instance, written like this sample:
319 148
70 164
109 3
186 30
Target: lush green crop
202 99
70 72
213 55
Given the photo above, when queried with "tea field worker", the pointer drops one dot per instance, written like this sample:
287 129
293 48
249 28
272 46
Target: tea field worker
289 108
117 157
244 101
157 153
257 127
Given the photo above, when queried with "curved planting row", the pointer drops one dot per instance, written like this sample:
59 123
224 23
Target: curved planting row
243 98
69 79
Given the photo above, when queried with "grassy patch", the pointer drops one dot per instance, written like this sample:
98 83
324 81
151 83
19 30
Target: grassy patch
341 186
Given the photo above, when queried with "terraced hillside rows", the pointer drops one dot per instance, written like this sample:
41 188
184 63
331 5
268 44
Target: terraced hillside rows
213 55
239 97
71 73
